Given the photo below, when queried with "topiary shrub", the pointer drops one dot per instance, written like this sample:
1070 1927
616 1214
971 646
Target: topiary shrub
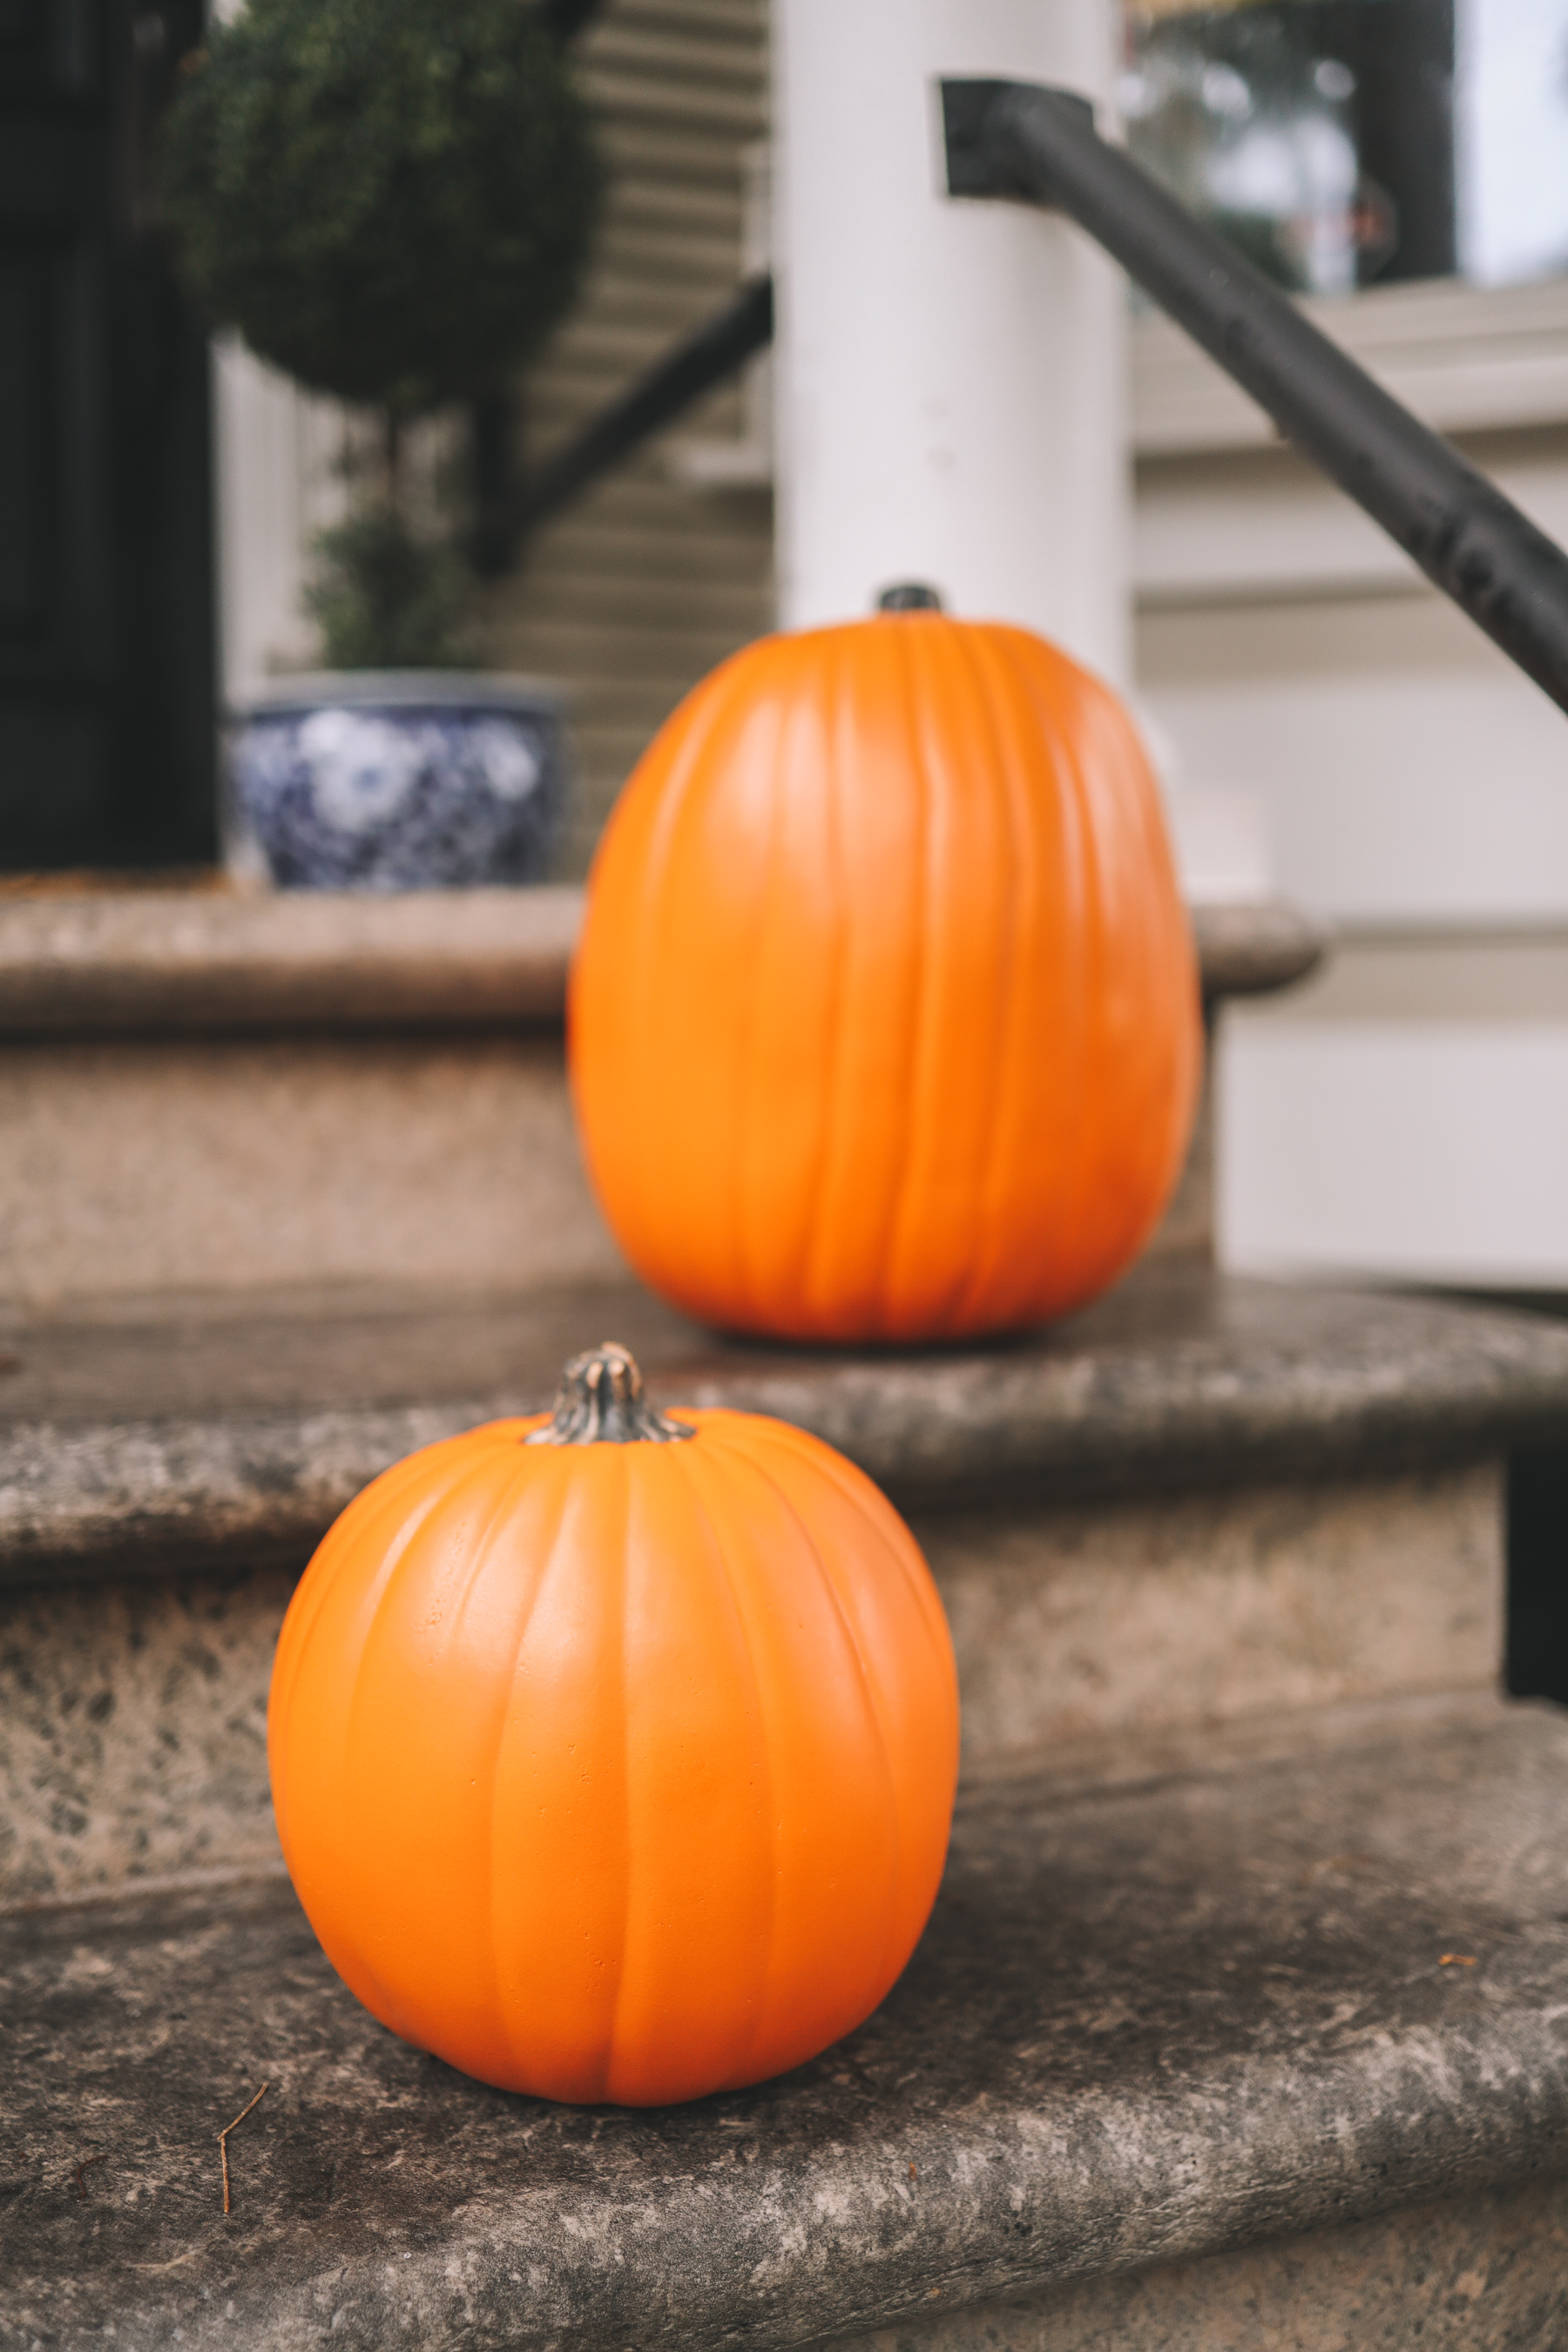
392 200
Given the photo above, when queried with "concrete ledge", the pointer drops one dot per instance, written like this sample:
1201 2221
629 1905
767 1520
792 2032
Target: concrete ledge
157 961
213 1438
179 961
1488 2271
1147 2026
133 1713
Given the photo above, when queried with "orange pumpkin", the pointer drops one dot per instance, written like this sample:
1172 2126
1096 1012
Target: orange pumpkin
884 1020
614 1755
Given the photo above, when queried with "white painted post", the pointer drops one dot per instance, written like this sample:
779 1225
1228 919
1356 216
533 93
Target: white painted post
950 386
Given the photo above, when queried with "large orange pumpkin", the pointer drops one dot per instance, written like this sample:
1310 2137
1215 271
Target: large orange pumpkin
884 1020
614 1755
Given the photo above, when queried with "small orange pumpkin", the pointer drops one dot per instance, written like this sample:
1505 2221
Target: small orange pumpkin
884 1020
613 1754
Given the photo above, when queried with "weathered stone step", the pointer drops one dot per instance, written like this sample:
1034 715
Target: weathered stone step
1263 2048
1200 1501
314 1087
159 1433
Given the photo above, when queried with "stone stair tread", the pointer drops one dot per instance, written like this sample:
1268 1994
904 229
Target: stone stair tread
1268 1993
152 1435
129 962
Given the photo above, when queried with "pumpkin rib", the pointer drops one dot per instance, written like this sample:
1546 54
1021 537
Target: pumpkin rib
488 1469
314 1589
818 664
386 1569
731 1239
1173 944
645 833
615 1616
293 1646
527 1765
1089 1187
913 1092
955 649
1134 941
764 1280
939 1220
866 1687
388 1576
991 685
1049 1293
524 1472
694 1471
1057 808
831 1465
991 1039
838 690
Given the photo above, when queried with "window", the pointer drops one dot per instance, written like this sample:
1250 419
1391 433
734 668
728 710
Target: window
1346 143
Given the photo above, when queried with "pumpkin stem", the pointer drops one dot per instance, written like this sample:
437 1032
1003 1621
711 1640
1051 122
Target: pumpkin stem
910 596
599 1403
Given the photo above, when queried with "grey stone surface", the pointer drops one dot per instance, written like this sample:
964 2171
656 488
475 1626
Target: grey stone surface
149 1163
308 1087
131 1714
1488 2274
130 1444
134 1731
1090 1620
110 964
1147 2025
1255 949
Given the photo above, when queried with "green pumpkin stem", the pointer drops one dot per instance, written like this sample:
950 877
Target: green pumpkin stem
600 1402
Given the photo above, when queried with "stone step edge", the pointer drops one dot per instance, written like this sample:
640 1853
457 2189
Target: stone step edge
1007 1429
112 964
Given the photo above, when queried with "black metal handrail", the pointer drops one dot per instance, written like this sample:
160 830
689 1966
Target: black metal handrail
1040 146
698 366
1037 146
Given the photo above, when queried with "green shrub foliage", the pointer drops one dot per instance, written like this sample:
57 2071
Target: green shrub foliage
391 199
384 600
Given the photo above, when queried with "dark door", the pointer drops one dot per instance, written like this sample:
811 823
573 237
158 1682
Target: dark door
107 738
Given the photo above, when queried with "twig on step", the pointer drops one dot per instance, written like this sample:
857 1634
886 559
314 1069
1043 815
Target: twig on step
223 2141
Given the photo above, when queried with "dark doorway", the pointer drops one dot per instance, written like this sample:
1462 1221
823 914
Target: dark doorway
107 673
1538 1574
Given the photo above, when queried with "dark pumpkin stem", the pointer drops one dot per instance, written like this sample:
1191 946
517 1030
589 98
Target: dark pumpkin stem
909 596
600 1402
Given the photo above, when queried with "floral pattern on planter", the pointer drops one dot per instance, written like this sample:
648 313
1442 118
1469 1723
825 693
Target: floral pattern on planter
361 793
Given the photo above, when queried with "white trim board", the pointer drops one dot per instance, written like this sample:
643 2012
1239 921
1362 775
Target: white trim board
1465 358
1420 1151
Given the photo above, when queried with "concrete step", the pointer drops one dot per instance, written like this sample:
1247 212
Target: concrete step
1240 2018
1201 1500
317 1088
1265 2046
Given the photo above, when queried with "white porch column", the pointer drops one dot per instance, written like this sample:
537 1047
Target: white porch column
950 374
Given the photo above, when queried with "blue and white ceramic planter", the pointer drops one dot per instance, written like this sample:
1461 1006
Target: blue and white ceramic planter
400 780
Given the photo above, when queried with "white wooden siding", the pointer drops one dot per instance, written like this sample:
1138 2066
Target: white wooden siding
634 592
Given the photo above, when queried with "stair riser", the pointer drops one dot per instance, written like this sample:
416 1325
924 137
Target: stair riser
244 1163
133 1716
1484 2271
1084 1623
240 1164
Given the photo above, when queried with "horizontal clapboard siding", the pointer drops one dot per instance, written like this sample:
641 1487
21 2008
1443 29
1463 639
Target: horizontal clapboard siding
647 582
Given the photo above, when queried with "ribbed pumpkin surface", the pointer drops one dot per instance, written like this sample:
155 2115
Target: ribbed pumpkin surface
884 1020
620 1772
